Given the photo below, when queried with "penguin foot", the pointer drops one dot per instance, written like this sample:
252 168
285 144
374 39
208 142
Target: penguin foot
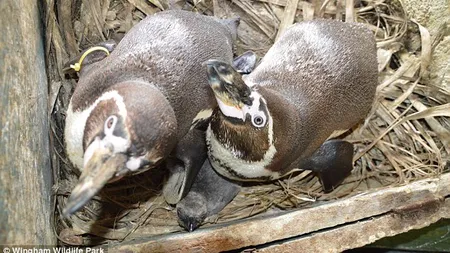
245 63
332 163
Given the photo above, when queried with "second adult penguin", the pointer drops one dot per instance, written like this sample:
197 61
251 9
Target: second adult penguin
318 78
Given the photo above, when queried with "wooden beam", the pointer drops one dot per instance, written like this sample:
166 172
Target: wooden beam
25 174
364 232
328 215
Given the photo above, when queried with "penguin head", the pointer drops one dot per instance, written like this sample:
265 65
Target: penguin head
237 101
192 211
242 125
130 129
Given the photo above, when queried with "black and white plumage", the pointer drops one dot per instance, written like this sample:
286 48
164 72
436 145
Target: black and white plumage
318 78
129 110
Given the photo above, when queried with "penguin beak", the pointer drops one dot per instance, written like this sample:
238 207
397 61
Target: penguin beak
227 84
219 73
99 169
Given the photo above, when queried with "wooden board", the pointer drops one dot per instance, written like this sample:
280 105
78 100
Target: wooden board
363 232
363 218
25 173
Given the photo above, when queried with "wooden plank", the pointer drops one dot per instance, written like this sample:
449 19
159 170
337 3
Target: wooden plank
25 173
262 230
365 232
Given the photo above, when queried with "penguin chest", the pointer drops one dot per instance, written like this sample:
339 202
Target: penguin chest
228 162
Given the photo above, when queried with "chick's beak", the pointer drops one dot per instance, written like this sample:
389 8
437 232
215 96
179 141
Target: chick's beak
219 73
221 80
99 169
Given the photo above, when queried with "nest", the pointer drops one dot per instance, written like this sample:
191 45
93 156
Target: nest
405 137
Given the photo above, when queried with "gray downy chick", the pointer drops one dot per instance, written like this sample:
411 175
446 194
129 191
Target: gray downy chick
209 194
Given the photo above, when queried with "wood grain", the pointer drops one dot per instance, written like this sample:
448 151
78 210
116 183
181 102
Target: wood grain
389 205
25 173
364 232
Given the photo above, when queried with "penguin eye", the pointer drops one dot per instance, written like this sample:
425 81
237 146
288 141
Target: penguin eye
110 123
258 121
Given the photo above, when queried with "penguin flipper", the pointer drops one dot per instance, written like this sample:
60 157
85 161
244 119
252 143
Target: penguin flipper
245 63
209 194
184 164
332 163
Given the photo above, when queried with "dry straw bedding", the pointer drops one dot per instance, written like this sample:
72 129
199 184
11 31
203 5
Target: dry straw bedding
405 137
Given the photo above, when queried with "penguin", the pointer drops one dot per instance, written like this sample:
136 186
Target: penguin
319 78
72 68
144 101
209 194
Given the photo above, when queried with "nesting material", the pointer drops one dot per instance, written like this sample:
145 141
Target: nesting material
406 136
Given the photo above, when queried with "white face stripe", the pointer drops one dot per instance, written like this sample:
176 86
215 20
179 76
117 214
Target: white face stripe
230 111
76 122
253 110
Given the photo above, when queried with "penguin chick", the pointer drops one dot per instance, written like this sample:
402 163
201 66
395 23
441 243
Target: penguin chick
130 109
209 194
318 78
191 151
192 210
